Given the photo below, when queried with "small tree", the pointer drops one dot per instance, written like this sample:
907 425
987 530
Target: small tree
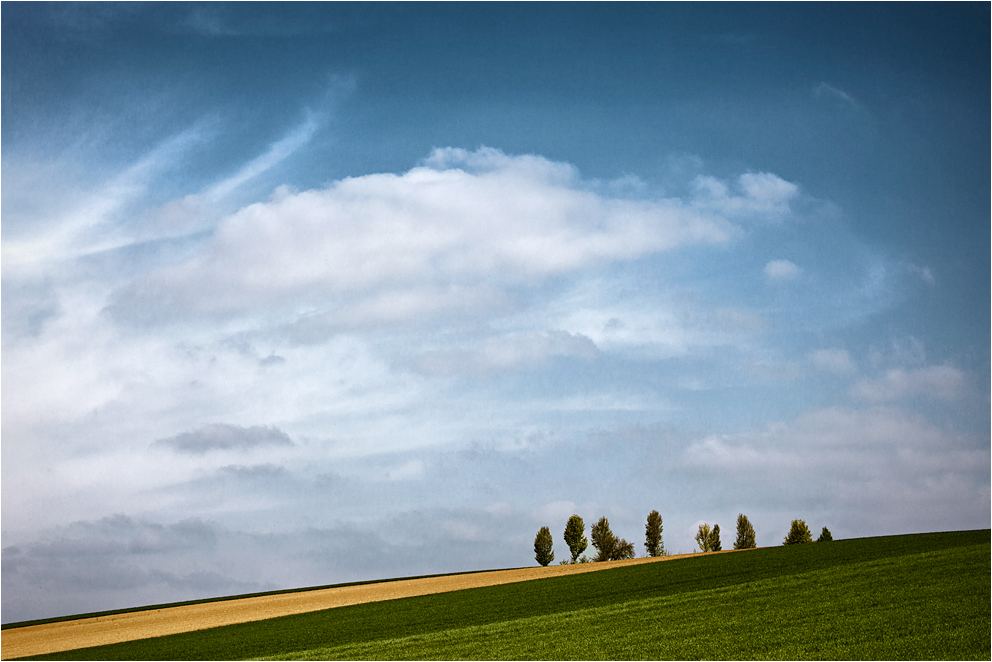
745 533
622 550
542 546
652 535
703 537
825 536
603 540
798 533
715 545
575 537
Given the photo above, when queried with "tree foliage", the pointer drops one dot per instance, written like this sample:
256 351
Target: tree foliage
608 546
704 537
543 544
745 533
825 536
708 538
602 539
622 550
798 533
652 535
575 537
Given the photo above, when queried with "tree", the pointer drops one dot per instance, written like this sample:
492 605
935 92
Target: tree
652 535
798 533
715 545
745 533
622 550
825 536
703 537
603 540
542 546
575 537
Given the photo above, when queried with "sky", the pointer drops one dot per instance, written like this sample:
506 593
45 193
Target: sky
299 294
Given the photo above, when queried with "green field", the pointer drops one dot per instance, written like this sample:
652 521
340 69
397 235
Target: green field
923 596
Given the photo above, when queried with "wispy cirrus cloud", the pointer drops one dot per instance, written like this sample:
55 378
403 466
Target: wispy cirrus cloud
502 354
276 154
91 224
943 382
831 92
834 360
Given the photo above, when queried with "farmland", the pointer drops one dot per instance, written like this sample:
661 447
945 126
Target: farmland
921 596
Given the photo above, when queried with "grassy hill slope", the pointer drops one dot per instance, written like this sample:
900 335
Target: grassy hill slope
923 596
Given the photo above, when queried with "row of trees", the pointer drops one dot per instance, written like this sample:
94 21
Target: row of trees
708 538
610 548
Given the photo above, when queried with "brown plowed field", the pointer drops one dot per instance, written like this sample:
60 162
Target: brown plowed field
68 635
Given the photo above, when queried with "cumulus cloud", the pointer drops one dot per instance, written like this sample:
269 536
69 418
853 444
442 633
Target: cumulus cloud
942 382
759 195
220 436
782 270
461 220
835 360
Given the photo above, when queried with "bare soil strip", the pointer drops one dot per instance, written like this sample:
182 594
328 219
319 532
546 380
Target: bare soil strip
99 630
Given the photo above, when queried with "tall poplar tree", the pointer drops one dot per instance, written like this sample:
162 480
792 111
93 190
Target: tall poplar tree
575 537
745 533
703 537
603 540
543 544
652 535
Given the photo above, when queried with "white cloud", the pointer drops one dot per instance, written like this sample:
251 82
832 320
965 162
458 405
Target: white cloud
505 353
835 360
762 195
463 220
277 153
943 382
86 225
782 270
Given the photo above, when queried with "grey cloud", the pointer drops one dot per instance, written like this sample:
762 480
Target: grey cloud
220 436
272 359
187 534
257 471
877 470
118 562
852 470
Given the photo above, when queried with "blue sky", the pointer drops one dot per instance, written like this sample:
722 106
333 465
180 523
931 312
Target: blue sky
304 294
